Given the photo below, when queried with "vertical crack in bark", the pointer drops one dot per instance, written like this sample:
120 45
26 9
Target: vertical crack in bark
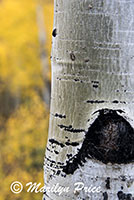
109 139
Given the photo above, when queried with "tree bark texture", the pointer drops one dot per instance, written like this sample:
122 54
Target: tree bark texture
92 96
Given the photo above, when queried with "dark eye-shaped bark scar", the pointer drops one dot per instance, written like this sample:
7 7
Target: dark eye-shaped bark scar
110 138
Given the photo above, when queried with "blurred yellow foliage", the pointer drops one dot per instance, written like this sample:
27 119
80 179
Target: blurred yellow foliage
23 113
24 142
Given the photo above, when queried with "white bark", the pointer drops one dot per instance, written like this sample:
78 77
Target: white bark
92 69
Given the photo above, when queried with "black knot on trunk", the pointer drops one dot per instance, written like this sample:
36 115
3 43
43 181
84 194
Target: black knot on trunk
110 138
54 33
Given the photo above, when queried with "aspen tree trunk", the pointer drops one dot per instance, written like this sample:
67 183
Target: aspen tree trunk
91 136
43 55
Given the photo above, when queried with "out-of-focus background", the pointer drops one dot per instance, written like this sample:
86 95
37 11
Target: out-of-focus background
25 48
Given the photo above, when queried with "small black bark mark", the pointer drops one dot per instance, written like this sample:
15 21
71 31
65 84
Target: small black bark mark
70 129
103 101
72 56
56 142
72 144
115 101
95 86
107 183
90 6
49 149
56 152
86 60
109 139
69 155
54 33
58 78
59 163
105 196
97 82
60 115
58 172
123 102
76 79
96 101
123 196
123 178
